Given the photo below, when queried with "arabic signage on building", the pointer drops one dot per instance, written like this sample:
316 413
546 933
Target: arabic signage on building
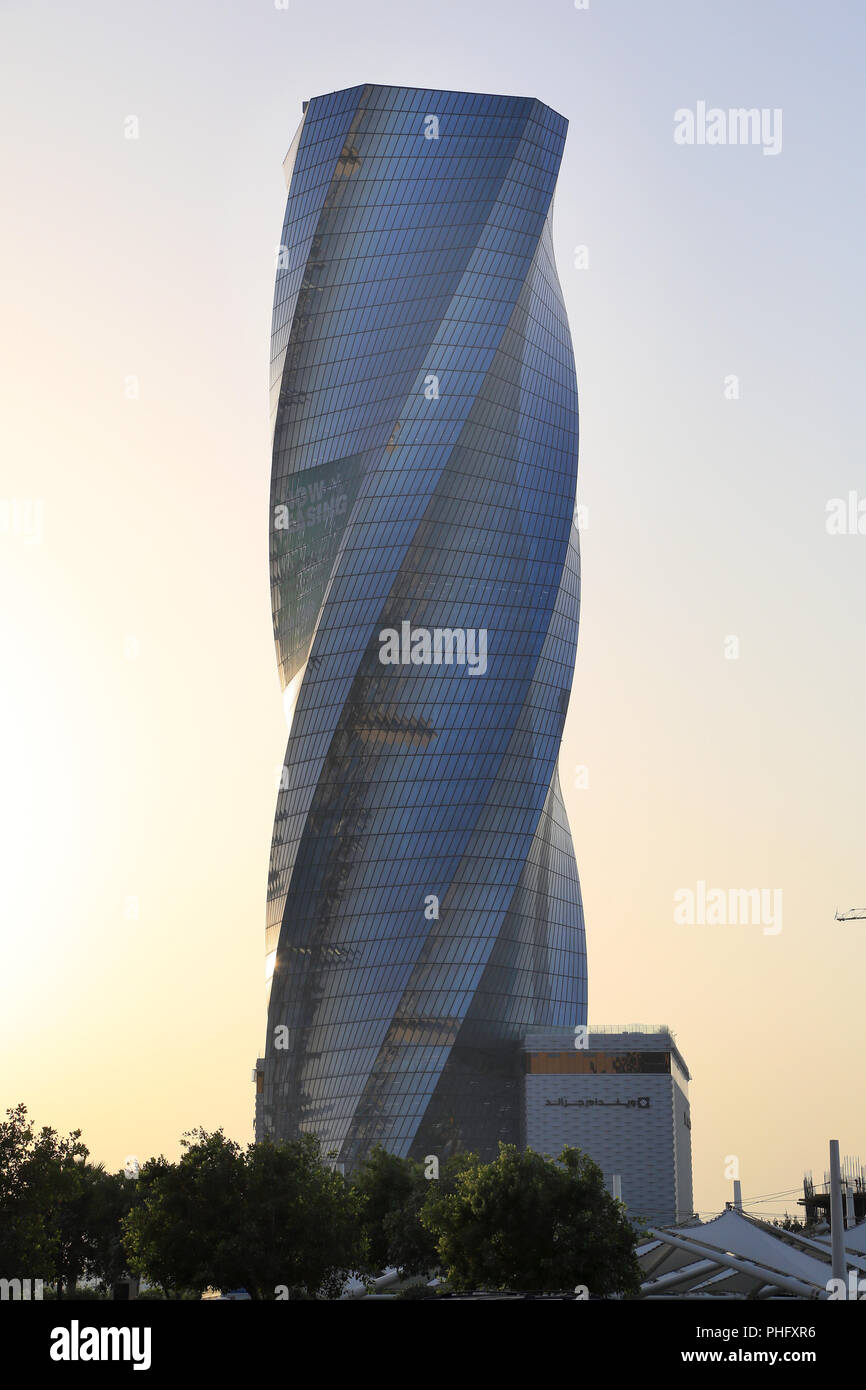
639 1103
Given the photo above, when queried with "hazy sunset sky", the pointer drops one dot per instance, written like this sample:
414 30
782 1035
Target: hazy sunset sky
142 724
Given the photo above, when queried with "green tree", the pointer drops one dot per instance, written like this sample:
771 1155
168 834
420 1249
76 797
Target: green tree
70 1222
41 1186
187 1215
111 1197
303 1228
412 1245
272 1216
393 1191
526 1222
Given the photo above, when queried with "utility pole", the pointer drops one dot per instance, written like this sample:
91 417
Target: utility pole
837 1237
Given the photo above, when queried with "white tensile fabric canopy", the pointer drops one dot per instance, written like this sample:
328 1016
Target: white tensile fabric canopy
734 1255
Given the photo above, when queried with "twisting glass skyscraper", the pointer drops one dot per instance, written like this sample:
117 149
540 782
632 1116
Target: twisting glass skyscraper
424 906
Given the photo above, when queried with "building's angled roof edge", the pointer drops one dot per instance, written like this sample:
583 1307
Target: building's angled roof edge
437 91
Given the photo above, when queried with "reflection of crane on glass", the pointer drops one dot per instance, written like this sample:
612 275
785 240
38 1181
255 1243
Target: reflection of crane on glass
854 914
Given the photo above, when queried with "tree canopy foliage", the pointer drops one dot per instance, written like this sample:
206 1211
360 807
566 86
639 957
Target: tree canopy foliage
280 1221
526 1222
274 1216
59 1215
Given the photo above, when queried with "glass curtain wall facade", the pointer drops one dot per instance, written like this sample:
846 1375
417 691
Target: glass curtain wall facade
424 905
